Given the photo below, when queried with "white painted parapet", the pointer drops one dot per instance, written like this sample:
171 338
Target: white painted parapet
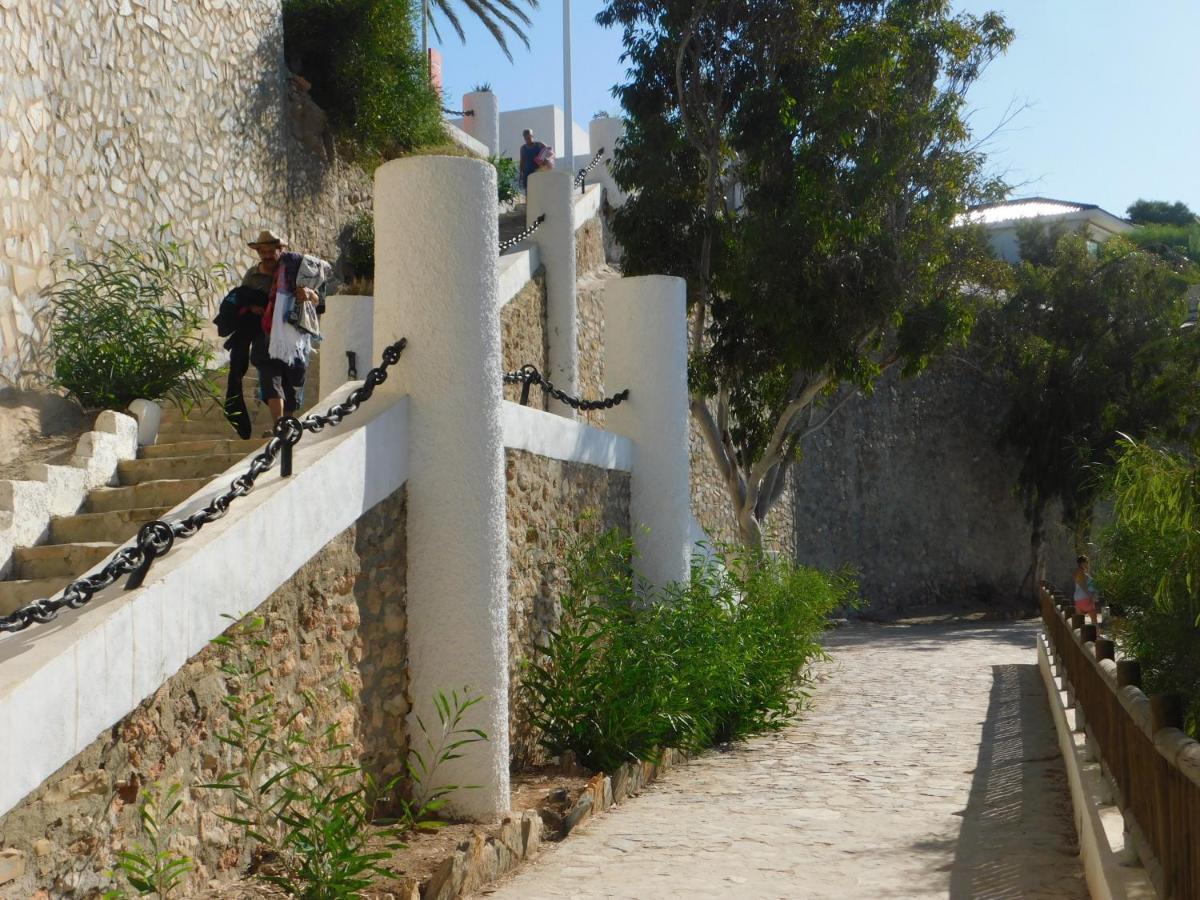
551 194
645 341
436 283
484 124
606 132
348 325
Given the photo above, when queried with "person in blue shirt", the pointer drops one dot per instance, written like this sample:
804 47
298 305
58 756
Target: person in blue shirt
531 150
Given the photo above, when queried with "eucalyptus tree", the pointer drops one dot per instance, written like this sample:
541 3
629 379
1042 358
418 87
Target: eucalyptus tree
802 164
1090 348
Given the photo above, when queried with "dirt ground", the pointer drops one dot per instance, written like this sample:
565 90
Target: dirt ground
37 427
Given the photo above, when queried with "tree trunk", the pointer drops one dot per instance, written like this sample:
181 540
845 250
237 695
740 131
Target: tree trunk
749 529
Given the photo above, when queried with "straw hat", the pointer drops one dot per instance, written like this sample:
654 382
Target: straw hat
267 237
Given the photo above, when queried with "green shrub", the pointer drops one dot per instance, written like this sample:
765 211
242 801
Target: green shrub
127 324
298 790
624 674
358 246
1148 566
153 868
366 71
507 183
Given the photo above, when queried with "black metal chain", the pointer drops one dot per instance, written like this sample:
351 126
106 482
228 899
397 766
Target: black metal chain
582 173
155 539
517 238
458 112
528 375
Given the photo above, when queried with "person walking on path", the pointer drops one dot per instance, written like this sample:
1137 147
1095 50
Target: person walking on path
1085 590
534 155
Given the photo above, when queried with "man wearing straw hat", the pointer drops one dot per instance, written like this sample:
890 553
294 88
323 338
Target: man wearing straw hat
281 384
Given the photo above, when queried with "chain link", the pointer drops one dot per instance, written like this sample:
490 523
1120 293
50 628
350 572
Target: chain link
457 112
154 539
529 375
517 238
582 173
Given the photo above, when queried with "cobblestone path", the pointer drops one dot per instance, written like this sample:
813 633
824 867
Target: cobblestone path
926 767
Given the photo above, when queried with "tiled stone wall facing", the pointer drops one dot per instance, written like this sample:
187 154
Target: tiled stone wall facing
336 629
590 337
118 116
589 246
907 487
523 336
548 502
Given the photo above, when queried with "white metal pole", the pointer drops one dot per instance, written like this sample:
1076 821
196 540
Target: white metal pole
569 124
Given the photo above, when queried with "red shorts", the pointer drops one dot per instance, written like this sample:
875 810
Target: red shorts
1085 605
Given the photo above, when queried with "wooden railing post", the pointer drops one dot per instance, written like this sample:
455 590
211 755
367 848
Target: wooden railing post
1166 711
1106 648
1129 673
1088 633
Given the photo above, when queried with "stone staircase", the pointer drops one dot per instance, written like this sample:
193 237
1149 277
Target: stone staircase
189 452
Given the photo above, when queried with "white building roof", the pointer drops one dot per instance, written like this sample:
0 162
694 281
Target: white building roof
1013 211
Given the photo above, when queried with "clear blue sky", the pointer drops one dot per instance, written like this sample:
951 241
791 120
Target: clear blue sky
1112 87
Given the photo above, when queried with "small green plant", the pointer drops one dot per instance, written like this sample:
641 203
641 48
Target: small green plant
507 188
627 673
358 247
298 791
482 86
127 323
153 869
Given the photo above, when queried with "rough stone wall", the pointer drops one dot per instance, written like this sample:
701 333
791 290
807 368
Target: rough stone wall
907 487
589 300
523 336
118 116
589 246
549 501
336 629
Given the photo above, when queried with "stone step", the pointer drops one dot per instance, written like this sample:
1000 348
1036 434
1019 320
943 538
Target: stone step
201 428
116 525
140 496
217 446
170 440
136 471
59 560
21 591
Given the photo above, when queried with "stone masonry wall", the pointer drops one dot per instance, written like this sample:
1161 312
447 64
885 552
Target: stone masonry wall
523 336
118 116
549 502
907 487
336 629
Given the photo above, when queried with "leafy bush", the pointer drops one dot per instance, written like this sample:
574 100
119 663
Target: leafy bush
1148 566
366 71
358 246
299 791
127 324
507 188
625 675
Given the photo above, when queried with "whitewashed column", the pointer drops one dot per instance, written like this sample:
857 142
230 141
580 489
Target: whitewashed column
606 132
484 125
435 283
645 343
551 194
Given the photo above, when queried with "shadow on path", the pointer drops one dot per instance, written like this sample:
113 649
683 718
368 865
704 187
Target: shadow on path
1017 840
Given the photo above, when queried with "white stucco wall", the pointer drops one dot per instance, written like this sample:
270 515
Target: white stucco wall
547 125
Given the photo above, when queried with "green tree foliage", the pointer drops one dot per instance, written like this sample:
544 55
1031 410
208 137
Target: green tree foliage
1149 568
496 15
366 72
1159 212
1089 346
801 164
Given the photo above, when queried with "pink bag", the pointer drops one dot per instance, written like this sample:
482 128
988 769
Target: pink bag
545 157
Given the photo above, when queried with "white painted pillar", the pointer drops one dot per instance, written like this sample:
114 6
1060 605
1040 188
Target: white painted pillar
606 133
436 283
550 193
484 126
645 342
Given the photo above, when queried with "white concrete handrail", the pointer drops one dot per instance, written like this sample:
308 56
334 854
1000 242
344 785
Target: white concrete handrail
63 684
553 436
517 270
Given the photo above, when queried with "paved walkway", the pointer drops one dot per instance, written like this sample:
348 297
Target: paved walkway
927 767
